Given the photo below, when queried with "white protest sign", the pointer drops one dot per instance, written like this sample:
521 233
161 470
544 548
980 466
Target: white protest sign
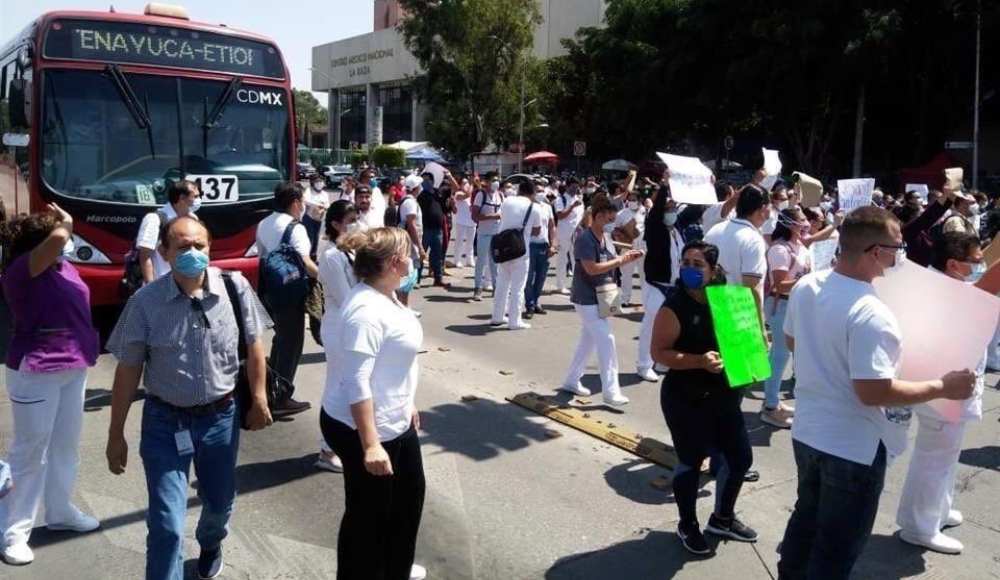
690 180
946 325
855 193
436 171
823 254
772 167
921 188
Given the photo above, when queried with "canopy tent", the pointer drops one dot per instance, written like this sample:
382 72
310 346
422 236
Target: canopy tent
542 157
424 153
618 165
408 145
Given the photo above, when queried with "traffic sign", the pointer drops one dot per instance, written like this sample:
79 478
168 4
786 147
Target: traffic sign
580 148
958 144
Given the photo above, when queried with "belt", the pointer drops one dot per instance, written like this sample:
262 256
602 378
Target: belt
215 406
780 296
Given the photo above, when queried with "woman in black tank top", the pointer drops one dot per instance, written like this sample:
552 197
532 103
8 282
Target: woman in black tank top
702 412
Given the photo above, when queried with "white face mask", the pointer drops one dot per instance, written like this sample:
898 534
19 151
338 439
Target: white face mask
978 269
633 205
670 219
900 260
195 205
318 186
352 227
782 205
540 197
974 209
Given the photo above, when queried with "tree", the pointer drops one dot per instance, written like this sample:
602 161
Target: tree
308 113
476 58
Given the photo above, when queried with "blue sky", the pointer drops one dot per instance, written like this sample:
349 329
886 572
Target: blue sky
296 25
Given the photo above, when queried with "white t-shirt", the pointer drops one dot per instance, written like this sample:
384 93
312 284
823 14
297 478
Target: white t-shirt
792 258
340 194
463 213
567 226
742 251
371 219
767 228
409 207
149 236
336 274
513 211
545 211
493 203
712 216
626 215
378 207
842 332
316 203
375 357
272 228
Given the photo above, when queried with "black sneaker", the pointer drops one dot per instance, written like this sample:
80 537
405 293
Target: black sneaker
733 529
210 564
290 407
693 540
529 314
540 310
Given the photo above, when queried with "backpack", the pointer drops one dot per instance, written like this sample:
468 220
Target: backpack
509 244
283 277
132 275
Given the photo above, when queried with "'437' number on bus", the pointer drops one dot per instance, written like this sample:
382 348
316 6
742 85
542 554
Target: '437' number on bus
217 188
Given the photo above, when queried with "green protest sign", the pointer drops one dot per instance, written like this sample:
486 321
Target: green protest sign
737 328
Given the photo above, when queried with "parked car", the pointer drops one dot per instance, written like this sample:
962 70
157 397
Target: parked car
336 175
305 170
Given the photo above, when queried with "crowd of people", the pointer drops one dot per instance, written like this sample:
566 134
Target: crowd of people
348 260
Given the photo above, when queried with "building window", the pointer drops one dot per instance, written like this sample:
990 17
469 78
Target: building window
397 113
353 108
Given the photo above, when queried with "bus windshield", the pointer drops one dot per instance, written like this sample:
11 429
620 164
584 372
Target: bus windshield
108 136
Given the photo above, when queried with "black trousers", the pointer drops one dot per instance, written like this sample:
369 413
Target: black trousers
289 335
700 428
378 534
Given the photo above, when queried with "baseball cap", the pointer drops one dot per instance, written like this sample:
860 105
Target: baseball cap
412 182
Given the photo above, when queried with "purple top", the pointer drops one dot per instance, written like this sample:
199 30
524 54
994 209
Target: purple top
51 314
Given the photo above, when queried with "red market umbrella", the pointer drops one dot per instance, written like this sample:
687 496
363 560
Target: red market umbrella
542 157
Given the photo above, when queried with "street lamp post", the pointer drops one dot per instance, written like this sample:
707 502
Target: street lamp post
975 109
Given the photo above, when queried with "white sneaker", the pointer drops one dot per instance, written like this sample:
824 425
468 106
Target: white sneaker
18 554
519 326
648 375
616 400
577 389
330 463
80 523
955 518
563 291
939 543
418 572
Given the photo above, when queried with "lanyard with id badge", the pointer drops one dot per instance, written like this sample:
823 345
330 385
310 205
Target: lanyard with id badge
185 446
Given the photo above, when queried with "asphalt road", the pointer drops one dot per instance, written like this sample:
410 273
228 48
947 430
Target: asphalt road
510 494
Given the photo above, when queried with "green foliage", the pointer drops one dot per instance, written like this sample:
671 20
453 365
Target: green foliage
308 112
358 157
476 58
383 156
685 73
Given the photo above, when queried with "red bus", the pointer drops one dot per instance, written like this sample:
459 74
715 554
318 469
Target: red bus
100 111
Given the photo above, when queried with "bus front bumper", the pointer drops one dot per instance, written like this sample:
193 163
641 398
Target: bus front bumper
105 281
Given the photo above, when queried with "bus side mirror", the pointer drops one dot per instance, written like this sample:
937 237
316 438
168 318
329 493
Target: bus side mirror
19 105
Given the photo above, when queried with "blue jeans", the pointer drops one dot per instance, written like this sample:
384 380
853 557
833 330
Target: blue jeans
433 243
216 442
779 350
538 268
484 259
834 514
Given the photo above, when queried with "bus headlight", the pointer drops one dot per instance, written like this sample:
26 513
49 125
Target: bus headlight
251 252
85 253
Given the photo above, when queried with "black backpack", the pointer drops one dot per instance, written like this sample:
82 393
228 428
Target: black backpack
283 277
132 276
509 244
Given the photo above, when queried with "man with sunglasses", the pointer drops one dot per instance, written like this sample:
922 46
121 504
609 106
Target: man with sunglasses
847 346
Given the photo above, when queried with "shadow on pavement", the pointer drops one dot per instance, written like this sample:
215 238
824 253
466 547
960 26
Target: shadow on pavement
97 399
656 555
448 299
474 329
987 457
313 358
888 557
633 480
497 428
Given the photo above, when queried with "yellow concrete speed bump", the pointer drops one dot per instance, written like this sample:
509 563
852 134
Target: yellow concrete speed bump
645 447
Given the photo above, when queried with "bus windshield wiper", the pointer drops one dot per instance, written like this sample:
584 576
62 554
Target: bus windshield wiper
131 102
220 105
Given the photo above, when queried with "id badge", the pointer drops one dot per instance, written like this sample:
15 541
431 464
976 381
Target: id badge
184 444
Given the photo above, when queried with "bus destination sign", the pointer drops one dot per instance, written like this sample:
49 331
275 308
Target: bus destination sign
131 43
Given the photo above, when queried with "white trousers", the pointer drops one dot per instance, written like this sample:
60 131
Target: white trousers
628 275
563 260
930 482
596 335
652 300
44 458
511 278
464 236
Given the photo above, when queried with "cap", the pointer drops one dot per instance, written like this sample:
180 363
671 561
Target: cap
412 182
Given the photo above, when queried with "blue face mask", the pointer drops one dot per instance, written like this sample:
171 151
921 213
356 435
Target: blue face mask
191 263
196 205
372 183
692 278
406 283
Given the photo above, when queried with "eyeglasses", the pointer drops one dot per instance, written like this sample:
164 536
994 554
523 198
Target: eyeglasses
887 246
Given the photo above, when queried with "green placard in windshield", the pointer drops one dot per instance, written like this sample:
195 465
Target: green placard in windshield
738 330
